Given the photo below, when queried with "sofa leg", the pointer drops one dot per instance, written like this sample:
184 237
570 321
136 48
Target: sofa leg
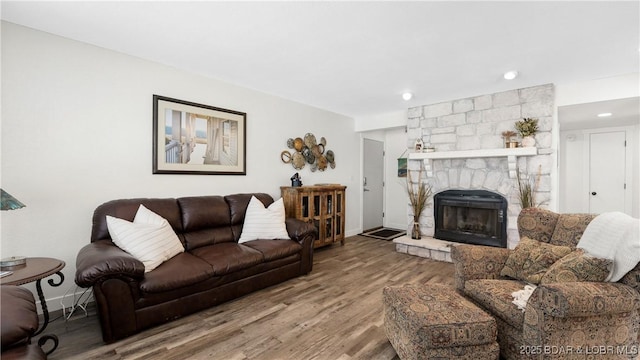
44 339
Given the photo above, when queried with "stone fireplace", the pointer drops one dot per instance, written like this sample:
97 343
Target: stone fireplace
468 127
471 217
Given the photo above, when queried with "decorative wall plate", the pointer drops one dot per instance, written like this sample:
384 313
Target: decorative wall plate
330 156
322 163
308 155
310 140
285 156
297 160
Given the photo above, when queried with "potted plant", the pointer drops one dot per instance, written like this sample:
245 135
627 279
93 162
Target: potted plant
527 128
507 135
419 195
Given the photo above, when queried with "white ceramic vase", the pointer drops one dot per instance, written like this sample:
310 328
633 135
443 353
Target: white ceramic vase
528 141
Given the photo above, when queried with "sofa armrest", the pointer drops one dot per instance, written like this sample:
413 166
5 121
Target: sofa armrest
103 259
581 299
305 234
299 230
473 262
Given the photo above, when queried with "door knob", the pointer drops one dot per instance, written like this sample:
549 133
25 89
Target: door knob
594 193
365 189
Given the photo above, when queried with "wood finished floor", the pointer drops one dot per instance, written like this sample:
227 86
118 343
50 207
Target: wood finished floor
335 312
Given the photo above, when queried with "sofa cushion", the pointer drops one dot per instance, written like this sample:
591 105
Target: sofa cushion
495 296
202 212
261 222
570 228
531 259
537 223
18 315
632 278
578 266
273 250
238 205
206 237
181 270
228 257
126 209
149 238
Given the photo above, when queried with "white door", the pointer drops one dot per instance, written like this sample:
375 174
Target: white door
373 181
607 162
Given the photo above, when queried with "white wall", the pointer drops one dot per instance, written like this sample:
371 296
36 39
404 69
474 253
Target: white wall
574 169
615 87
76 132
396 195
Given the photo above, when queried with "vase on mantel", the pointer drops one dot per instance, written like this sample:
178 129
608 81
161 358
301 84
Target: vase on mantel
528 141
415 231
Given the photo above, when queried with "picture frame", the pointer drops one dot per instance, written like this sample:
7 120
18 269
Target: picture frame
402 167
402 164
197 139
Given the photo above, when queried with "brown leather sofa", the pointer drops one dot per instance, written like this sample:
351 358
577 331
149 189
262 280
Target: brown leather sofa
19 322
213 269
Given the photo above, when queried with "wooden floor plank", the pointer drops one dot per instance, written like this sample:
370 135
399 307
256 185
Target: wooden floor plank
335 312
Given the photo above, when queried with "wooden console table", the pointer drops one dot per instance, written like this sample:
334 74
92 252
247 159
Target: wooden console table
323 206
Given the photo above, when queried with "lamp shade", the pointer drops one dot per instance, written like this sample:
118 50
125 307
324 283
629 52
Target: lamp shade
8 202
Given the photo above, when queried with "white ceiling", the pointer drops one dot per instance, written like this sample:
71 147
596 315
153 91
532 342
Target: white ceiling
357 58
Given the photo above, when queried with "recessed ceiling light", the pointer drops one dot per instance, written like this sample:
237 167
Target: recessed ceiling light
604 114
510 75
407 96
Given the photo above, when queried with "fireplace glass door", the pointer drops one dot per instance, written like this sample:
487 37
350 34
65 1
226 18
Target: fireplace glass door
471 216
483 222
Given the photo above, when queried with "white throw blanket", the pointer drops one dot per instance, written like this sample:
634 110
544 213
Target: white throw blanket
615 236
521 297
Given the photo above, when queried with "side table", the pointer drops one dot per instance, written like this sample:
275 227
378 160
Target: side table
36 269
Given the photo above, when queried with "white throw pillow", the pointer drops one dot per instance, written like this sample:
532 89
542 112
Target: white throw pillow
261 223
149 238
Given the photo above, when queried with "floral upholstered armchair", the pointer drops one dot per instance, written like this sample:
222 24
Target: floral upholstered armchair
565 317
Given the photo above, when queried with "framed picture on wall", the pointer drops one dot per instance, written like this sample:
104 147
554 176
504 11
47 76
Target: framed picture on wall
190 138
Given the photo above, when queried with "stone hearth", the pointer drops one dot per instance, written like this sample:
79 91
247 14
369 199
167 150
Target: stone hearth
427 247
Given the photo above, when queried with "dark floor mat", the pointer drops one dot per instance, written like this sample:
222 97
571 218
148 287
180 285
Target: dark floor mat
384 233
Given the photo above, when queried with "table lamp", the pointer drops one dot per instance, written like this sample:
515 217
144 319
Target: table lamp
8 202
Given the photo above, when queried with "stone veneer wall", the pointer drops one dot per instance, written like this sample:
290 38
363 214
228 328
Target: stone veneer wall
477 123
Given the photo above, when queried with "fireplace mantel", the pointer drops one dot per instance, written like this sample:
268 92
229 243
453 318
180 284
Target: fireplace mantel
510 153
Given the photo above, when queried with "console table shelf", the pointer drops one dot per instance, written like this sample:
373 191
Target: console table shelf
510 153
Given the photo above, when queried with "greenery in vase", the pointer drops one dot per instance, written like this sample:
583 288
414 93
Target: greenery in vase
527 126
418 194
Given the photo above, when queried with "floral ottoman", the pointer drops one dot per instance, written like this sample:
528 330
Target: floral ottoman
433 321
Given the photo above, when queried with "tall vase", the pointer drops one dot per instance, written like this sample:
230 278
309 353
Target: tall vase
415 231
